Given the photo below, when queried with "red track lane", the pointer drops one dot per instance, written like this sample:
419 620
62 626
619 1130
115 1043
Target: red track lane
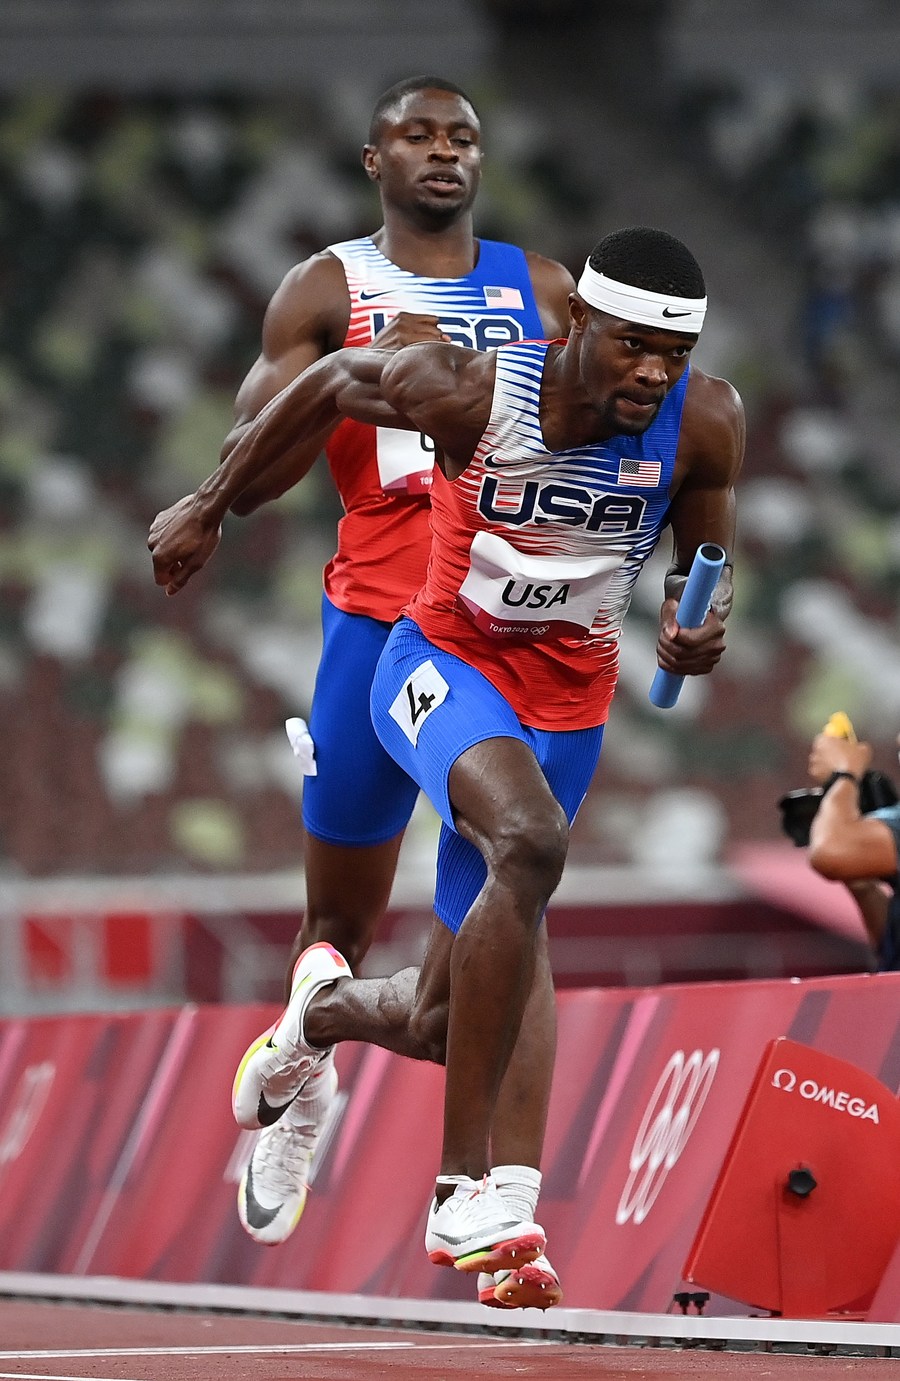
218 1347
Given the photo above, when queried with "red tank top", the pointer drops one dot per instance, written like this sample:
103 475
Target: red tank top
383 475
535 553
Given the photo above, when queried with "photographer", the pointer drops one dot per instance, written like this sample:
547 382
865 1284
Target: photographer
860 850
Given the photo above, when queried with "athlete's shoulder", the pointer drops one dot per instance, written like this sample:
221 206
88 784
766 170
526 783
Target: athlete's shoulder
425 369
552 283
539 265
712 405
444 390
311 301
713 430
322 272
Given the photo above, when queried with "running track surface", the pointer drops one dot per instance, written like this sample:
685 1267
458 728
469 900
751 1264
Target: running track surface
69 1342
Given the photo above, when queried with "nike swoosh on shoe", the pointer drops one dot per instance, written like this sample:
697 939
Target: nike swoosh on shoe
269 1115
257 1216
455 1241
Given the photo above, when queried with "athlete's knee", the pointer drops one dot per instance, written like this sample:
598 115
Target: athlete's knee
529 847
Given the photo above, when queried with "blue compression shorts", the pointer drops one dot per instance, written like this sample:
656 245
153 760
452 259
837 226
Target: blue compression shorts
359 795
442 706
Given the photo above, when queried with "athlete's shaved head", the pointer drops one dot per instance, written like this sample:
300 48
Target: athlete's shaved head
395 94
649 259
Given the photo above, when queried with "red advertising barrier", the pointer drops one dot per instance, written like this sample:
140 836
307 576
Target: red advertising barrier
118 1153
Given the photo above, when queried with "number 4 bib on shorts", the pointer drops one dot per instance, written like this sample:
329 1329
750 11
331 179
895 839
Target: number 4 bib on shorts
509 593
419 695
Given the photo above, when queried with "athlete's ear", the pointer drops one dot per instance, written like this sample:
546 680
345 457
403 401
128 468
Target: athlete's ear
371 162
577 313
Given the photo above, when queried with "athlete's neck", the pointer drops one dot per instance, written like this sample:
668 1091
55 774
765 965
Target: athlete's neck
432 251
568 416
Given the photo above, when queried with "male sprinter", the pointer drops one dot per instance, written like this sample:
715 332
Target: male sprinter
422 277
559 465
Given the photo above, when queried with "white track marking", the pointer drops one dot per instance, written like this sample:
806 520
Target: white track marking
48 1376
249 1349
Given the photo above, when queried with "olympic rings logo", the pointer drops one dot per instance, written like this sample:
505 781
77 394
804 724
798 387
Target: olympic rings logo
670 1116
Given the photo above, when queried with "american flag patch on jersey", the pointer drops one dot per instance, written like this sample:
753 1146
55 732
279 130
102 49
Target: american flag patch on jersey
504 297
643 473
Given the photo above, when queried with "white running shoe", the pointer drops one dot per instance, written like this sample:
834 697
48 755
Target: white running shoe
278 1063
473 1230
272 1193
535 1286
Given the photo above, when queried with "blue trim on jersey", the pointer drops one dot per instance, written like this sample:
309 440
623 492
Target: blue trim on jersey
499 266
660 440
505 266
520 370
359 795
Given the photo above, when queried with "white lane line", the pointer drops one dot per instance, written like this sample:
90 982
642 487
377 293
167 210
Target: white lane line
249 1349
48 1376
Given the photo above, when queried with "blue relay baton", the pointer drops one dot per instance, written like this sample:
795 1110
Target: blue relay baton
692 610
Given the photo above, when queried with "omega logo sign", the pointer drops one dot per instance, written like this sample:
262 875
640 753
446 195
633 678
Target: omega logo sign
669 1118
786 1081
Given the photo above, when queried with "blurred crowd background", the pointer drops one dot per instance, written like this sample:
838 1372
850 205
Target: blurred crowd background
161 167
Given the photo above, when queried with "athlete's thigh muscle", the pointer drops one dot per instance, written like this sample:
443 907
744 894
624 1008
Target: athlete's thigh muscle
568 761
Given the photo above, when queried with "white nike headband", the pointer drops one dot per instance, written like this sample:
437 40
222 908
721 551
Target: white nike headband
662 310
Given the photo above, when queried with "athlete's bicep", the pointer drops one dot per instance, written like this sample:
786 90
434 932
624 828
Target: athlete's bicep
267 377
710 455
306 319
699 514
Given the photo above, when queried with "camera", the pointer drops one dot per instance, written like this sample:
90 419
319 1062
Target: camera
798 808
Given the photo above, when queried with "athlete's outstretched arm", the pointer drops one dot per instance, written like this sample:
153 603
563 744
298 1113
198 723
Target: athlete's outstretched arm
373 386
344 384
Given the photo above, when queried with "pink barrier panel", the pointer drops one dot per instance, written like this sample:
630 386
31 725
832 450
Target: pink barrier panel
72 1091
118 1154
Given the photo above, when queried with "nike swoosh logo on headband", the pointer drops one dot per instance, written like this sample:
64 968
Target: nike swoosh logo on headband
667 311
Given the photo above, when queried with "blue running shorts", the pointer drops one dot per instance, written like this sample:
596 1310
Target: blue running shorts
359 795
442 706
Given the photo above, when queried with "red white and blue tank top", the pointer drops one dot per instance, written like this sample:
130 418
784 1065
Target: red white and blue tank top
535 553
384 476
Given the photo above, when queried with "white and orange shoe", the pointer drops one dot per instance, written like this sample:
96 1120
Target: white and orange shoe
534 1286
473 1230
278 1063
